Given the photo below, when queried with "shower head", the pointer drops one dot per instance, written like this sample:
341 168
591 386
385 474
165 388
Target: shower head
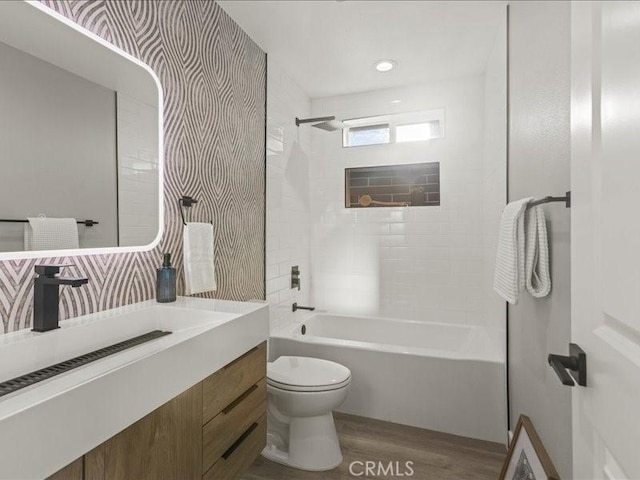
328 124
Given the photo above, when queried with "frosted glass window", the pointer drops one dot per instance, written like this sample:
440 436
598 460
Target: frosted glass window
367 135
418 131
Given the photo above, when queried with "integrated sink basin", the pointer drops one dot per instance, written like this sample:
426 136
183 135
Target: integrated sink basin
64 416
24 381
26 351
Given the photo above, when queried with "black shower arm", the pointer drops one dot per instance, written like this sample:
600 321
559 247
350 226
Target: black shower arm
300 121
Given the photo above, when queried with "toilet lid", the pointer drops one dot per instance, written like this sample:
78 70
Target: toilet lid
303 373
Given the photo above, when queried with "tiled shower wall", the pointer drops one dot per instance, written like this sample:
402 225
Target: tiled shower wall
288 187
421 263
402 262
213 80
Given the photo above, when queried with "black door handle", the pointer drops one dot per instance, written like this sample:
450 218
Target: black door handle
575 363
560 363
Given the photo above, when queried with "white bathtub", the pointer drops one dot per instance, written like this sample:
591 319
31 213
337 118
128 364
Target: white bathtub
449 378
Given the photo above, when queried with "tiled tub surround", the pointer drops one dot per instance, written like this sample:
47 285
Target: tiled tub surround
426 267
288 202
421 263
213 80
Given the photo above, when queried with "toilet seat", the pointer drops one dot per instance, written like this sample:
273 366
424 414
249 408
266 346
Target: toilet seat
304 374
299 388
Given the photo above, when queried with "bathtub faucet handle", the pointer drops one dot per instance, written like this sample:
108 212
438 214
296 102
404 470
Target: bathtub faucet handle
295 307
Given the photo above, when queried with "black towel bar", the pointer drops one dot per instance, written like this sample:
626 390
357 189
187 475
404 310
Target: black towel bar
566 199
86 223
186 202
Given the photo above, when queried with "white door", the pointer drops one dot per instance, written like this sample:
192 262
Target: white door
605 237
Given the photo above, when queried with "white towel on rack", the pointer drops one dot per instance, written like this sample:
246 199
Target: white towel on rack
538 279
199 269
509 275
41 233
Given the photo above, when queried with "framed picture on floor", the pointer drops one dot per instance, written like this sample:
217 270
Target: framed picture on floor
527 458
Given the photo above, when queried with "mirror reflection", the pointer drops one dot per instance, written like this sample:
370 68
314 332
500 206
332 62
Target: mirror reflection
78 144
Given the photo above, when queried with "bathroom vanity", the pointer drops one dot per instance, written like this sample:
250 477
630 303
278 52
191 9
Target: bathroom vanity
184 395
214 430
188 405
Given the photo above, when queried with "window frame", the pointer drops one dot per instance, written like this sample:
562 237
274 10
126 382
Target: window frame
376 126
395 120
413 124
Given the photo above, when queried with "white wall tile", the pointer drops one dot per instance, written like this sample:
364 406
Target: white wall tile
423 263
288 212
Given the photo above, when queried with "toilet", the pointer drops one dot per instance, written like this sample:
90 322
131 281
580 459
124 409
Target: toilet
302 394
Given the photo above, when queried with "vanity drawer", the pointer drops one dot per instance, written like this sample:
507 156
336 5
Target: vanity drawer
235 461
224 429
228 383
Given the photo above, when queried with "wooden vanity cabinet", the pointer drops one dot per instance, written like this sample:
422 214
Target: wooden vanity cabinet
234 406
214 430
163 445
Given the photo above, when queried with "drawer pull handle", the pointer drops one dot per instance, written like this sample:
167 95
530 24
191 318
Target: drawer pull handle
239 441
235 403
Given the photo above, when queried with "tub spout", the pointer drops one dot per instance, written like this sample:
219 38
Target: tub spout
295 307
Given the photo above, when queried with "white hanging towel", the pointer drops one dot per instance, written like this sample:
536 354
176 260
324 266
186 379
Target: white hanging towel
509 275
42 233
199 269
538 279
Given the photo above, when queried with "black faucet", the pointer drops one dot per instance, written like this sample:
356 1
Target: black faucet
295 307
46 296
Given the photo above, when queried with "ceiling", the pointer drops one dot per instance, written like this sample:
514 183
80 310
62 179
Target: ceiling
330 47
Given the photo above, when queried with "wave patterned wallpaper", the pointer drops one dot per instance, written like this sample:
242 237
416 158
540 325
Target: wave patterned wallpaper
213 77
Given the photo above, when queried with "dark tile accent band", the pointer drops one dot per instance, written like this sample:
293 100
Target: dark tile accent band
412 184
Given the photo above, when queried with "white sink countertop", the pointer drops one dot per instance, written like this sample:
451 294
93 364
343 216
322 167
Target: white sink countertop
48 425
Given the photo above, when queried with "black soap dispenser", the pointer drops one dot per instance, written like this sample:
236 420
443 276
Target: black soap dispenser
166 281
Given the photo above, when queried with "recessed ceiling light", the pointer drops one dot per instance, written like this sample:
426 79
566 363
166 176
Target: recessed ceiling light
396 101
385 65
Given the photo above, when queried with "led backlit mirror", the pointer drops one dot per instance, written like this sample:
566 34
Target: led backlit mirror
80 140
